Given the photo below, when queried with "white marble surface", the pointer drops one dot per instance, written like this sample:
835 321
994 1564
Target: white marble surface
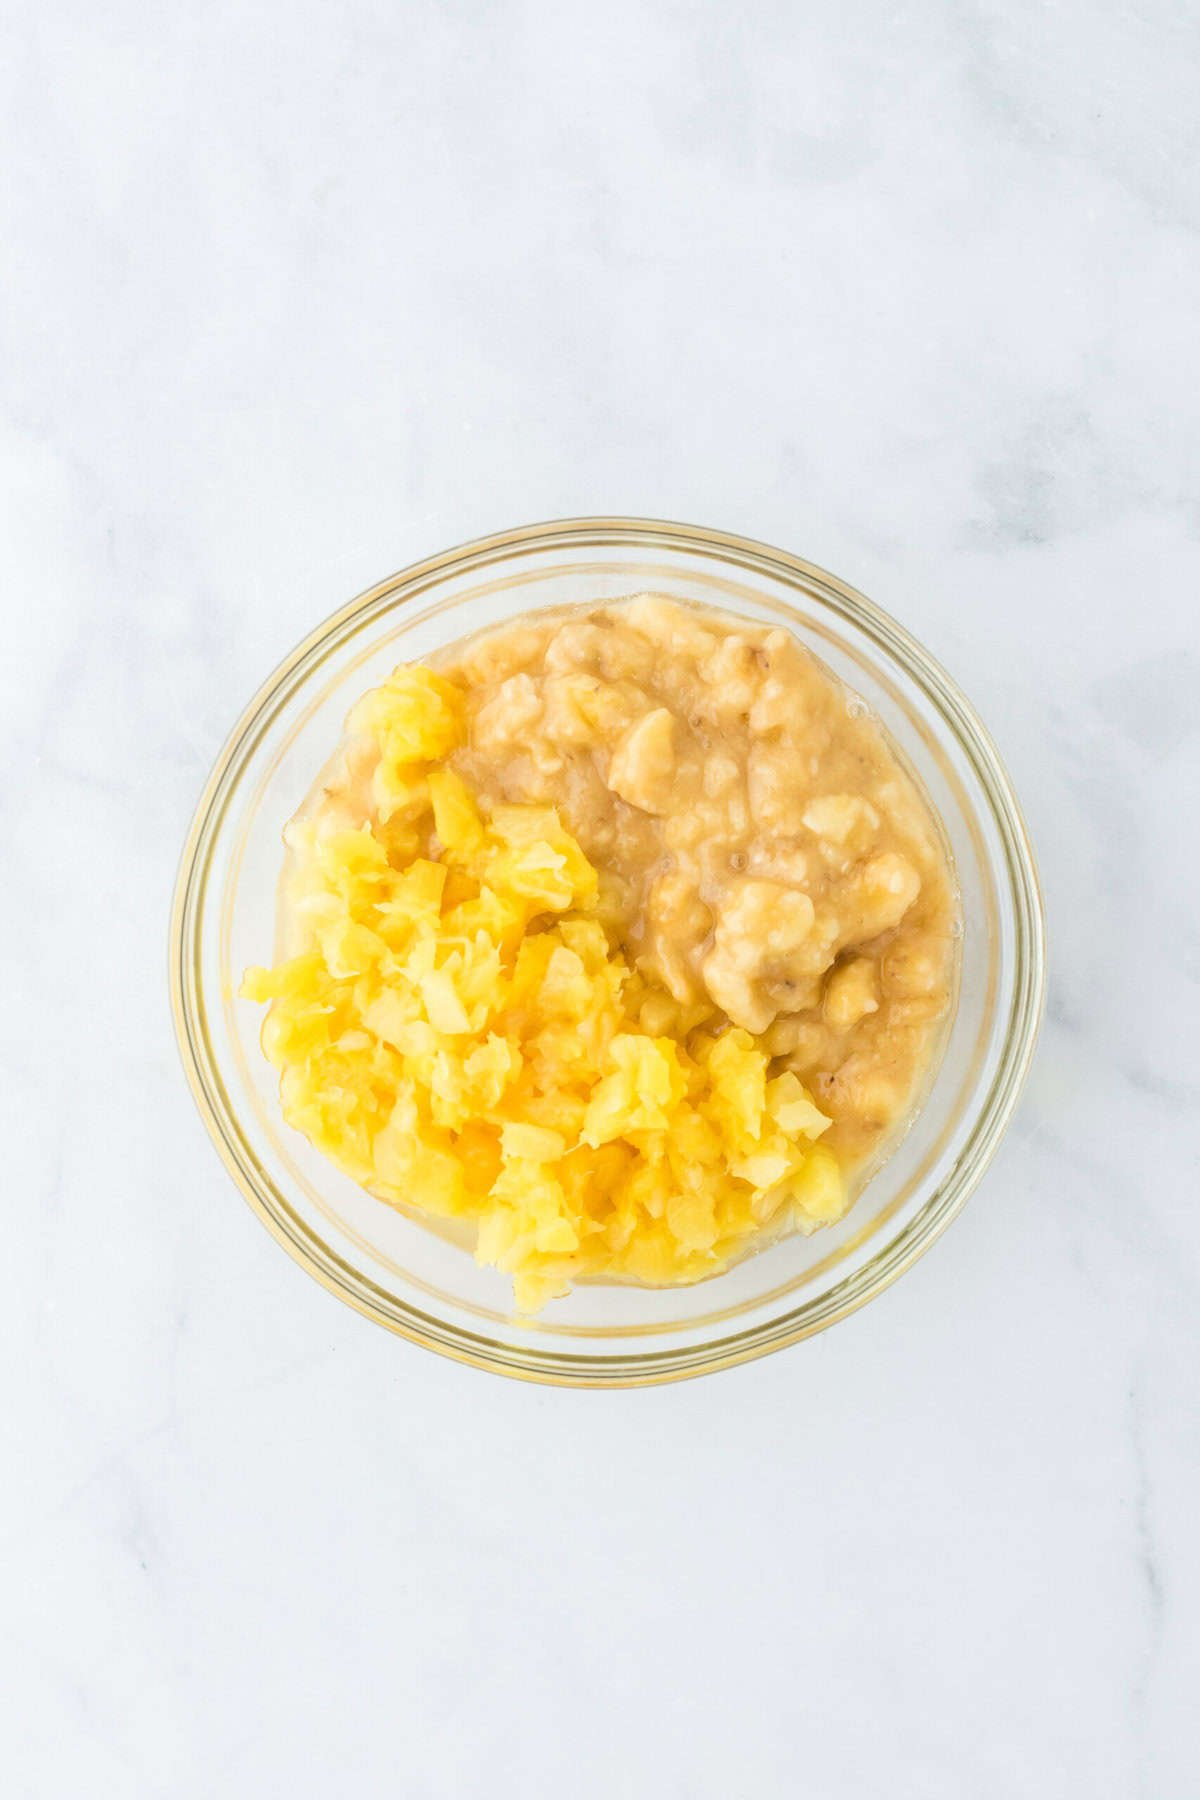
294 295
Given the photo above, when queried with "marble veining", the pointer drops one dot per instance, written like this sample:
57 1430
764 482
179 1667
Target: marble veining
292 299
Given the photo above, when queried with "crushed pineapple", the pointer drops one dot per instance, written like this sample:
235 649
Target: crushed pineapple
459 1034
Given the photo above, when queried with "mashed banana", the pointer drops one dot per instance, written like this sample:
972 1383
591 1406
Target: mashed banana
595 930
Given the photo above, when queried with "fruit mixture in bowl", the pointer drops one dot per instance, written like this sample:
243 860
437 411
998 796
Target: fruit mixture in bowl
621 939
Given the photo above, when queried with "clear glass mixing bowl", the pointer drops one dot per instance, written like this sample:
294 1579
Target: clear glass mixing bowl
406 1276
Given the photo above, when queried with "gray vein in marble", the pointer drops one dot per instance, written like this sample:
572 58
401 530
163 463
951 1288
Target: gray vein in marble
1162 1087
1153 701
1038 489
1148 1555
1085 1172
1151 152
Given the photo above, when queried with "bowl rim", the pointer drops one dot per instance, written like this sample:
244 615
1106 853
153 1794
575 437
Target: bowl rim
635 1368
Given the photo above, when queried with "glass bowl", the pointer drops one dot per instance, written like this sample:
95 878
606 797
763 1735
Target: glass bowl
405 1275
